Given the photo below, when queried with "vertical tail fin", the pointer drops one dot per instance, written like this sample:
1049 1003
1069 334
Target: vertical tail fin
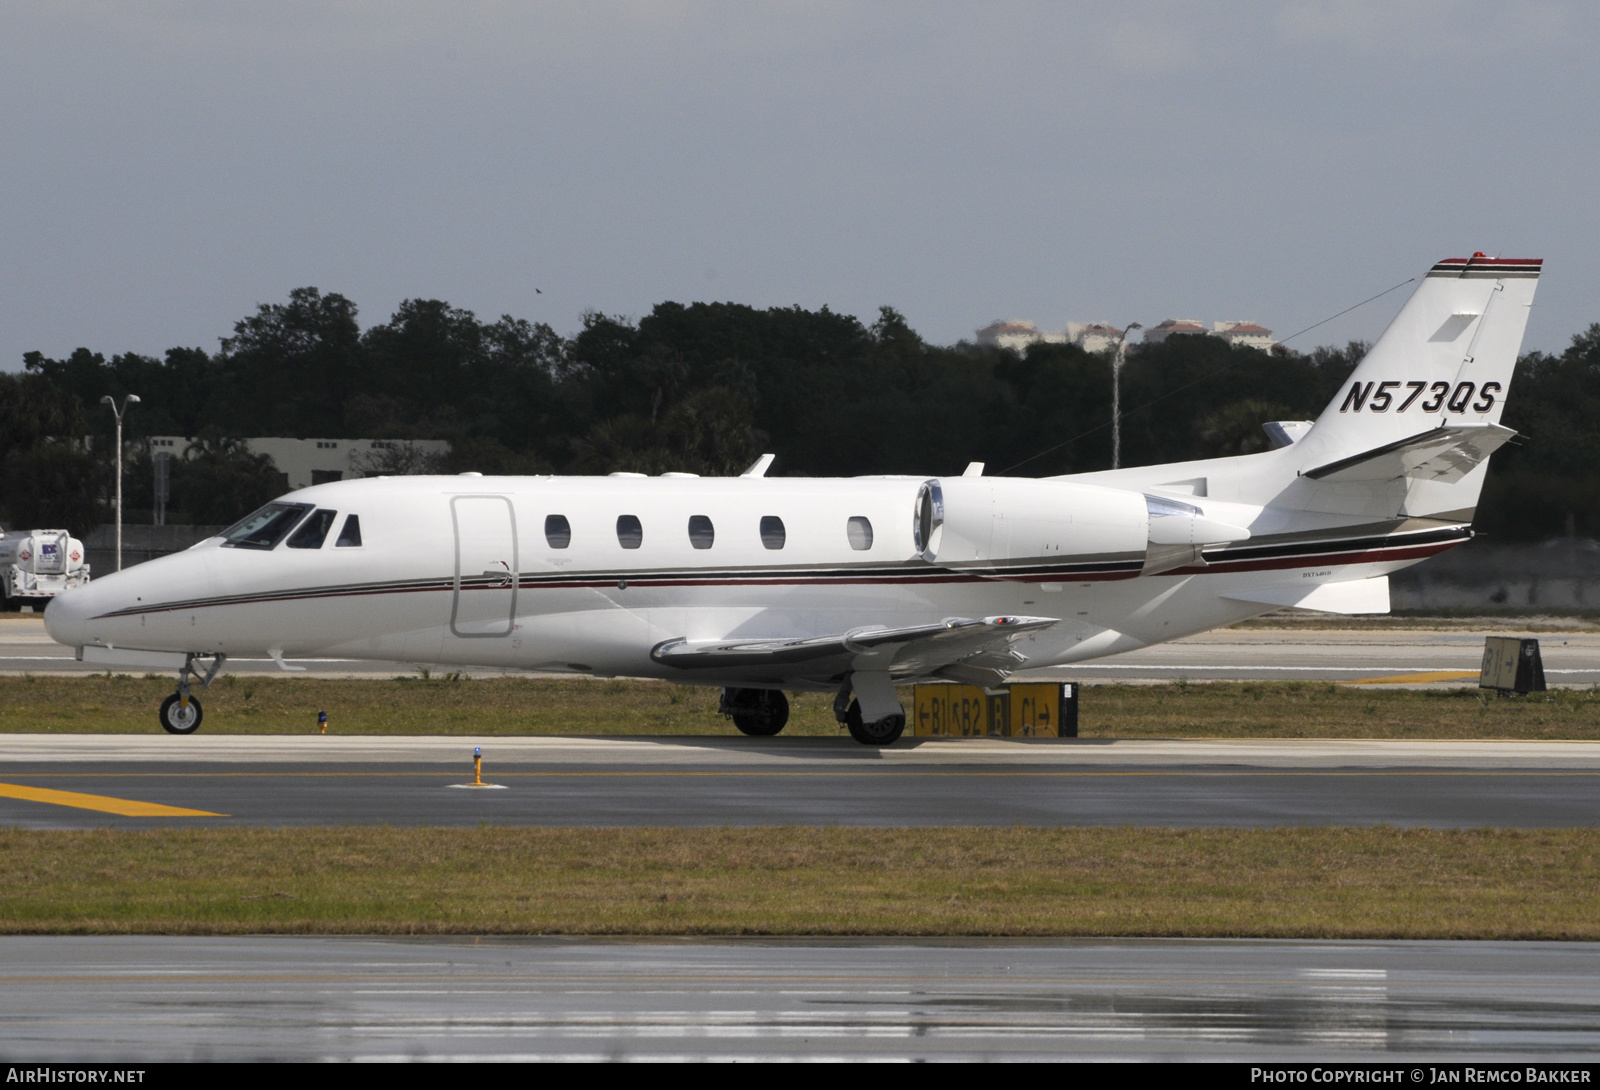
1445 361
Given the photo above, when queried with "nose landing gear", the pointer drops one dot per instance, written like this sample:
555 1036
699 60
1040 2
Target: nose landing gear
181 712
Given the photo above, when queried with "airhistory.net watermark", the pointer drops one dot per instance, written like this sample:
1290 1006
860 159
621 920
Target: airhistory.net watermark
53 1074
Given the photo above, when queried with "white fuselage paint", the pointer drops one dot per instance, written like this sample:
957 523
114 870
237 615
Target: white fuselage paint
416 588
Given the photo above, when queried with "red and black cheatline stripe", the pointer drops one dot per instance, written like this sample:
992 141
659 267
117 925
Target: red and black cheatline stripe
1488 268
1260 556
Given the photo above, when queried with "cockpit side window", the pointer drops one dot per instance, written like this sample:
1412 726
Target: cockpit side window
264 528
313 531
350 536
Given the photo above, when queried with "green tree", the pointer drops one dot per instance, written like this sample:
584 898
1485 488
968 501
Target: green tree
219 481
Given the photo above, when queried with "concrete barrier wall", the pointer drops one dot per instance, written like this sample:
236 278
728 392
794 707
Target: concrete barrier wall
139 543
1561 574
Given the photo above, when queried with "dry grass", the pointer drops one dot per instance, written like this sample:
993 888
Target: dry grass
101 704
1319 709
1319 882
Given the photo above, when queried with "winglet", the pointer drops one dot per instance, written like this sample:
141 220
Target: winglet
759 467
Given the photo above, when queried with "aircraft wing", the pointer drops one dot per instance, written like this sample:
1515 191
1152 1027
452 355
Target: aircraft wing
959 646
1444 454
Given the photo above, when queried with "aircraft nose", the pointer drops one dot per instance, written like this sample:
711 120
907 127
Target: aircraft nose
66 617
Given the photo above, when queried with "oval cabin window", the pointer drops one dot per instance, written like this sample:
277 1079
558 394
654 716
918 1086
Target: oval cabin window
630 535
701 532
557 531
860 532
772 532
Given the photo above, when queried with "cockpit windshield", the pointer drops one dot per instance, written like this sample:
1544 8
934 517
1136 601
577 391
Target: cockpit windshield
265 528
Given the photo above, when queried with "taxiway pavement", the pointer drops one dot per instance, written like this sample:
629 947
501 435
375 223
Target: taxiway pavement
289 781
131 999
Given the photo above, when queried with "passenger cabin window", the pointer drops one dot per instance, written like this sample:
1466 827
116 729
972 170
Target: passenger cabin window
557 531
772 533
701 532
630 535
859 530
265 528
350 536
313 531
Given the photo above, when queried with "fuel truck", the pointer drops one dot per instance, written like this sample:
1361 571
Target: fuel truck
38 565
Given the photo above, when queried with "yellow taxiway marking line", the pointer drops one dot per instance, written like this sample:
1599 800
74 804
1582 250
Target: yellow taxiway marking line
1414 679
841 774
103 803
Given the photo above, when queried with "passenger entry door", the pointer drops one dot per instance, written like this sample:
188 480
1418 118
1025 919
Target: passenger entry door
485 599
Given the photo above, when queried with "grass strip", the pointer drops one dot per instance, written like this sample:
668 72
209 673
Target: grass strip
1290 882
119 704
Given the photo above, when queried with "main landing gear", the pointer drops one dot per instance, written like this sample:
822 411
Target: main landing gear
879 732
882 721
760 713
181 712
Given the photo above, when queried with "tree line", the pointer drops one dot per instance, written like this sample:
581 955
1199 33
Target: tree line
705 388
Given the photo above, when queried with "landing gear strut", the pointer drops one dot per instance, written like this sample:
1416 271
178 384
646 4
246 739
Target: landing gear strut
760 713
884 729
181 712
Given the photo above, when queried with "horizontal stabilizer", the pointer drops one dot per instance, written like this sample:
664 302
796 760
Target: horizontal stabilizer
914 650
1444 454
1353 596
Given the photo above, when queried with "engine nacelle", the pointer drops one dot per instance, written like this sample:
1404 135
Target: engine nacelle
1000 523
1005 522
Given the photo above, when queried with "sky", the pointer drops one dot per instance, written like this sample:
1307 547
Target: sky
167 167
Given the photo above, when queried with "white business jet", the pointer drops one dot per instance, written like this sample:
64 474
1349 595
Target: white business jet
760 585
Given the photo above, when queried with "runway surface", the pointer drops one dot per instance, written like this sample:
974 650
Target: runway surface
133 781
1289 654
132 999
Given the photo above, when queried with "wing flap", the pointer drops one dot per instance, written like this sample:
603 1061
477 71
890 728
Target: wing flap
907 651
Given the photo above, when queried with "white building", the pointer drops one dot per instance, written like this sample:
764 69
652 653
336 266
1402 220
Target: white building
1174 327
1244 335
1238 334
1094 336
318 461
1016 334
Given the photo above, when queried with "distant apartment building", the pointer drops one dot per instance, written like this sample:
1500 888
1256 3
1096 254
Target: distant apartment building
1244 335
1174 327
1094 336
317 461
1238 334
1016 334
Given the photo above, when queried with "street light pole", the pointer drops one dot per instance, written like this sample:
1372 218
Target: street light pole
131 399
1116 394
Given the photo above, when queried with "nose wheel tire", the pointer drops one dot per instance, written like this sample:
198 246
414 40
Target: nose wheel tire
884 732
178 719
760 713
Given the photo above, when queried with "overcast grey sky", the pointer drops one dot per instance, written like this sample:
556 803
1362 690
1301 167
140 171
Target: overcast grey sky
164 167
